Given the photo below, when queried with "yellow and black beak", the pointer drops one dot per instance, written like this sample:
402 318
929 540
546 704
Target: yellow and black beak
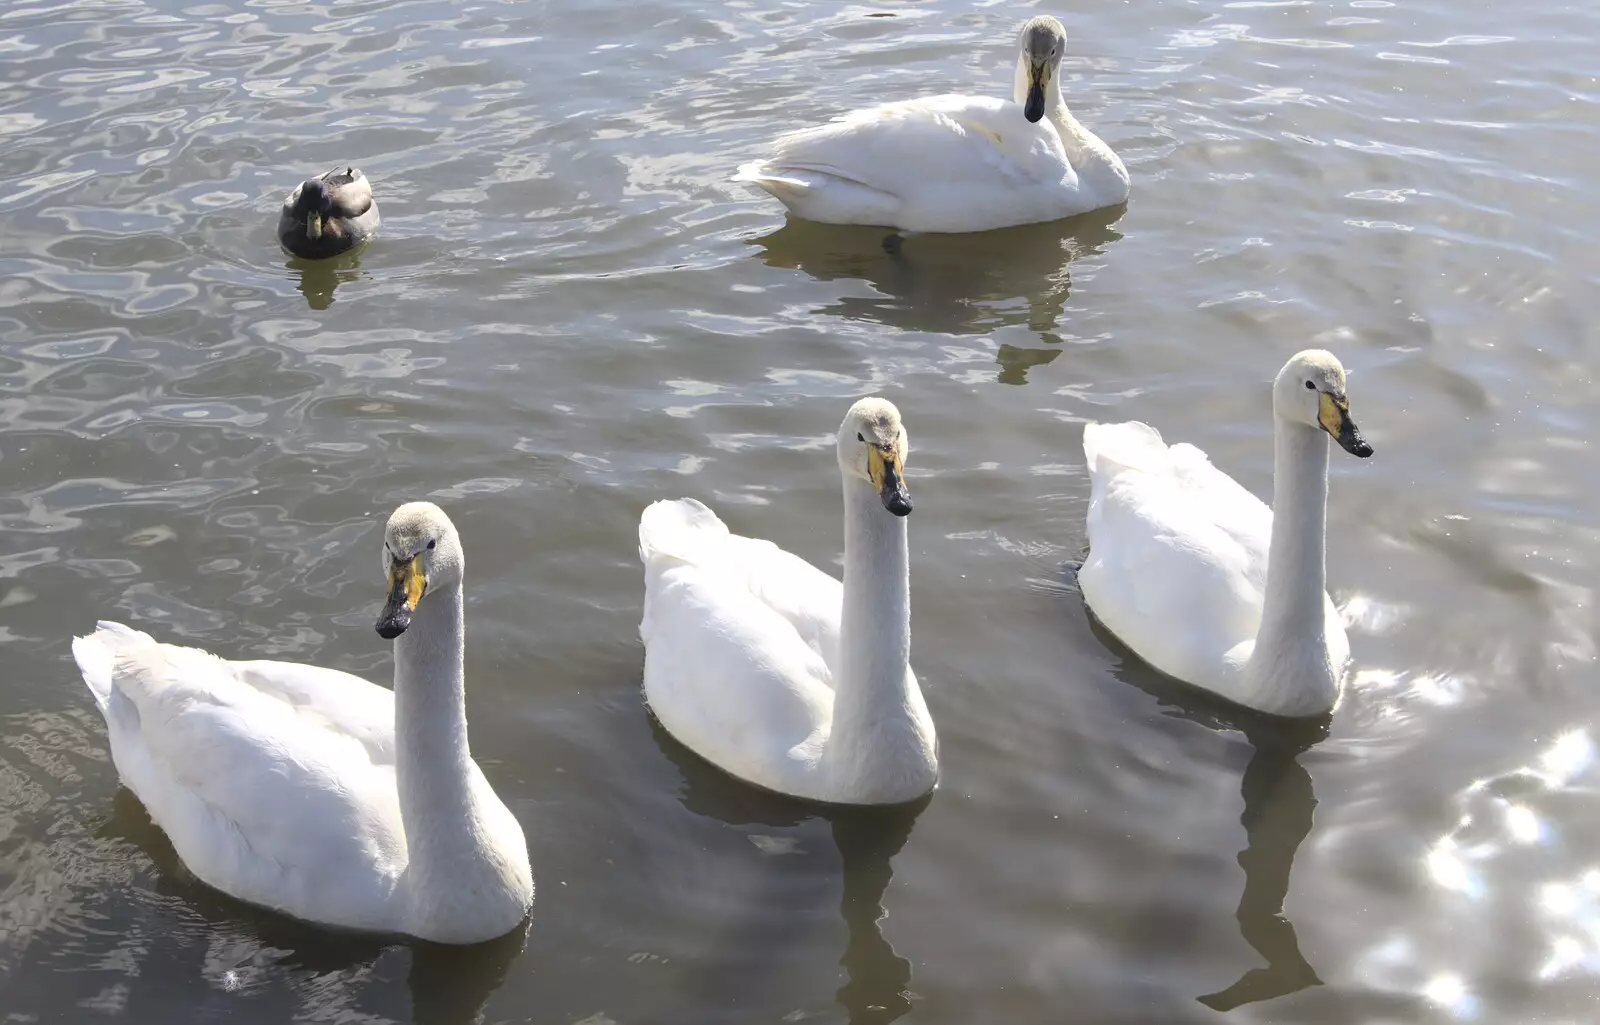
1334 416
1038 78
407 583
313 225
888 476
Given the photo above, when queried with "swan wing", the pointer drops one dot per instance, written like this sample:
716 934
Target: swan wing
807 599
1177 551
951 163
733 662
274 781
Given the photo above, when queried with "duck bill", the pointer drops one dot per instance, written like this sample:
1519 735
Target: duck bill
1038 76
1334 416
888 476
406 584
313 226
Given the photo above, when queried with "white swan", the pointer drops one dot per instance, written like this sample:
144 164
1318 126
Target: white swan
1179 553
314 792
952 163
770 669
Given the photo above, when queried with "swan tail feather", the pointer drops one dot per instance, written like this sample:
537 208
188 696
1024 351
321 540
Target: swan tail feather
756 172
1109 448
97 654
681 530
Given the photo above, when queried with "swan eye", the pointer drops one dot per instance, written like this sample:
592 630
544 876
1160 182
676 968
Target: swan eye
860 438
431 544
1310 386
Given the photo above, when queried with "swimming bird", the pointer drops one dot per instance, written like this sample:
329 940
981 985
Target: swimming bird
952 163
313 792
328 214
1199 577
773 670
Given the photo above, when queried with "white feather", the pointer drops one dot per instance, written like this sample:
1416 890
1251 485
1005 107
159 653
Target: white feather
945 164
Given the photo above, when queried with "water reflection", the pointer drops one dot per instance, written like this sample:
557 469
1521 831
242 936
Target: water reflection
317 279
233 948
954 284
877 986
1279 803
1277 817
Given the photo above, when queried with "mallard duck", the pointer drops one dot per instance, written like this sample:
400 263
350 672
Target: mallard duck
952 163
328 214
771 669
313 792
1199 577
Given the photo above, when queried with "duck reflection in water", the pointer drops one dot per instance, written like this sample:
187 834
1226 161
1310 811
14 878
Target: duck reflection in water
968 284
317 279
325 974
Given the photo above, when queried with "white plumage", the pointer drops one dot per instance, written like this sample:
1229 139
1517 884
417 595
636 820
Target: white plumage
775 671
951 163
278 783
1179 553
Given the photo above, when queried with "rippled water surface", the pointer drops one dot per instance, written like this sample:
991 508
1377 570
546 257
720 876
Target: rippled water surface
569 312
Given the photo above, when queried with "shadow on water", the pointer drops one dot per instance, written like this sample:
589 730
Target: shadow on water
317 279
877 980
1279 806
953 284
448 985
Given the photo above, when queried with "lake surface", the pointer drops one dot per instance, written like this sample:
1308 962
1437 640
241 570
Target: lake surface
569 313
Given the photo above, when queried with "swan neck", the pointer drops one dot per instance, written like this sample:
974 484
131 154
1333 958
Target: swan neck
880 747
875 630
433 765
1292 639
1096 163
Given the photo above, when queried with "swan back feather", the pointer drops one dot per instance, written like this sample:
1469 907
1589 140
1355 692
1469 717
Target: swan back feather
261 797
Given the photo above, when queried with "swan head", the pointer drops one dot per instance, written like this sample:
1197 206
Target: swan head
421 552
1310 390
872 447
1041 45
312 202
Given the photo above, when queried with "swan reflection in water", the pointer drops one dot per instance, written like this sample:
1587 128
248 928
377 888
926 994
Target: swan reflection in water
877 989
1278 807
1279 803
317 279
235 947
967 284
782 897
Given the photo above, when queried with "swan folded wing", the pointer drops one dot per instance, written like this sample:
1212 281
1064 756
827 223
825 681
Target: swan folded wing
730 677
909 145
686 532
1133 459
808 599
272 802
339 701
1225 502
1171 582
